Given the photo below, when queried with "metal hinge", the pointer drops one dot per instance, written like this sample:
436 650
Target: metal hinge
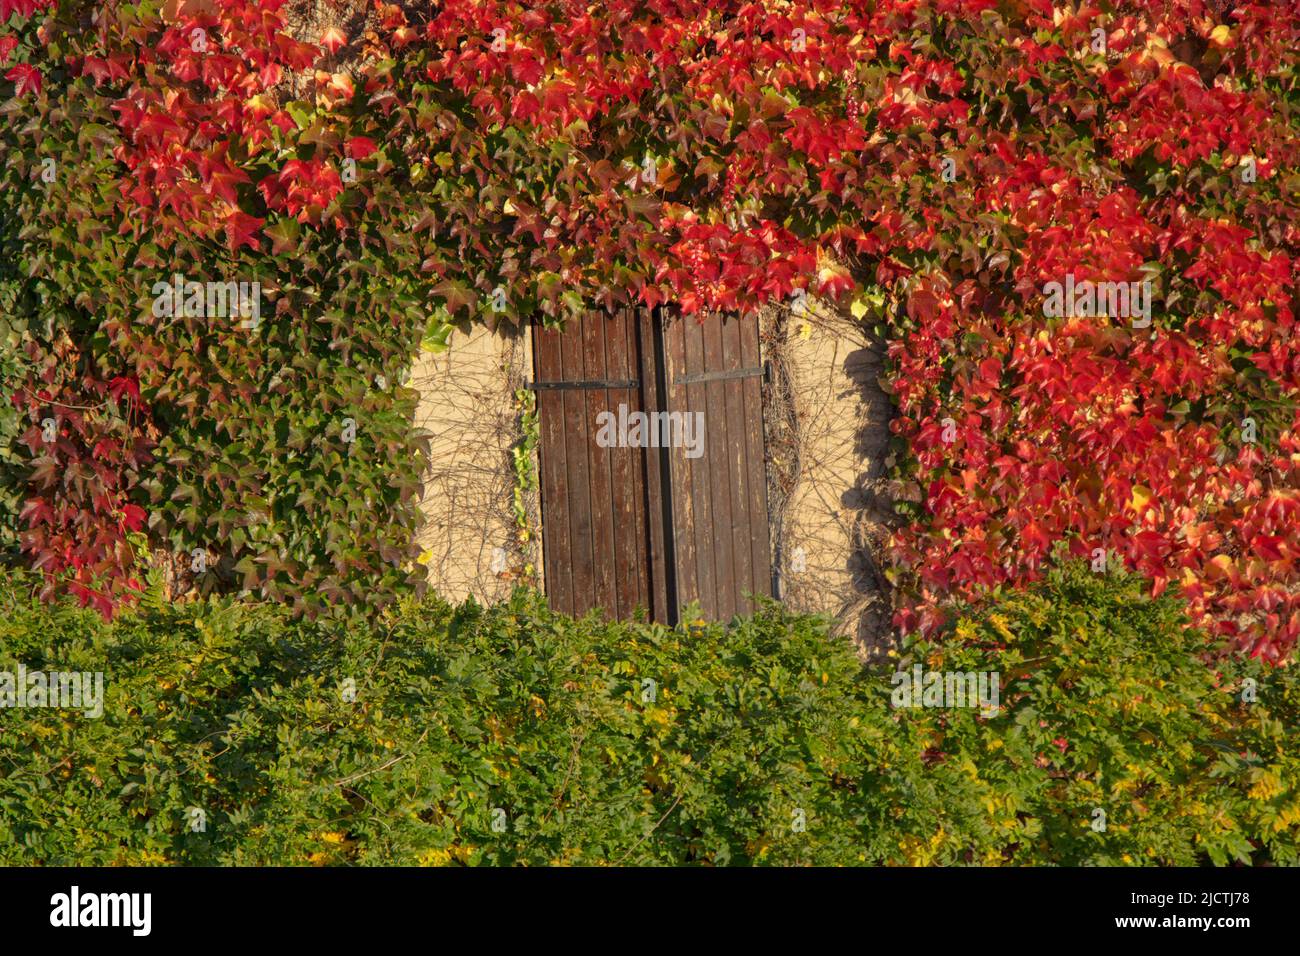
697 377
596 383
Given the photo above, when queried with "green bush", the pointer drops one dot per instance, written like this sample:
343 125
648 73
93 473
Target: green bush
1116 743
593 743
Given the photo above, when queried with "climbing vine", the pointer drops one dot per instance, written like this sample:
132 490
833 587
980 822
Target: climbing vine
523 458
939 166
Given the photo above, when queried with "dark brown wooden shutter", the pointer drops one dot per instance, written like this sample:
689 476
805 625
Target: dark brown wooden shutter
719 500
594 515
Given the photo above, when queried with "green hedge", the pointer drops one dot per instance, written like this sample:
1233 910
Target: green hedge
464 718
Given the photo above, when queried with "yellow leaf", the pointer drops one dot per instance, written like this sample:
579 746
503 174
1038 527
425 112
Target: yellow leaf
1000 625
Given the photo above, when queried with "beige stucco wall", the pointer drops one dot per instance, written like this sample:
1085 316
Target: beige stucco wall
832 520
469 540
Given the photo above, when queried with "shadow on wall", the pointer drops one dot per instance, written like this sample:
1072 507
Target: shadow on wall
871 498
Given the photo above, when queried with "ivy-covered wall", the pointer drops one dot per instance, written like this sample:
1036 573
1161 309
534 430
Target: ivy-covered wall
936 167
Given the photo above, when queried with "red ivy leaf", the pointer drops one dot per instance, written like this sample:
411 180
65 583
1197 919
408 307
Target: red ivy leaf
359 147
133 516
242 230
26 77
333 39
124 383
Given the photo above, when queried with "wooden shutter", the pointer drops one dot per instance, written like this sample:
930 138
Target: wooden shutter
595 535
719 500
